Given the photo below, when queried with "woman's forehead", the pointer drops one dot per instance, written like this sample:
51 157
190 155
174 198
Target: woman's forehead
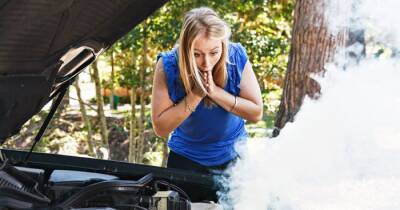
205 44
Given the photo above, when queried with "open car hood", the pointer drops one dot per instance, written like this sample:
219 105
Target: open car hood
46 43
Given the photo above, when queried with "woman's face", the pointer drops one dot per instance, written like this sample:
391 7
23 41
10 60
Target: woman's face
207 52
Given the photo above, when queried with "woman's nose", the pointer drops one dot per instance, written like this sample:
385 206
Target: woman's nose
206 61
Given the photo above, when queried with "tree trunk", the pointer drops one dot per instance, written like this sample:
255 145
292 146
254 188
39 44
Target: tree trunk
312 46
85 118
132 128
112 81
140 152
100 106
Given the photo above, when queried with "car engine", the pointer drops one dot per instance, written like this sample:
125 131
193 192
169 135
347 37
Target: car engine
29 188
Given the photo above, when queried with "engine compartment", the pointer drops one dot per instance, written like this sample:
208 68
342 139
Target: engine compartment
28 188
32 187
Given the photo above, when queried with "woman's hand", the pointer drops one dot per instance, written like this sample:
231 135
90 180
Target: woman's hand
209 83
198 91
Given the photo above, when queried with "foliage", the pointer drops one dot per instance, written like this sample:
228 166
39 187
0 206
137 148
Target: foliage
263 27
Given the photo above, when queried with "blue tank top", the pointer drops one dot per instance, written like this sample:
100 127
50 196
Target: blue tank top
208 135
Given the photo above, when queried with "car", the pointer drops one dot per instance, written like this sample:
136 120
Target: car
44 45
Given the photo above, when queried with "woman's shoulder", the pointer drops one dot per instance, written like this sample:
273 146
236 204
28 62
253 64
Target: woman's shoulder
168 55
235 48
169 59
237 54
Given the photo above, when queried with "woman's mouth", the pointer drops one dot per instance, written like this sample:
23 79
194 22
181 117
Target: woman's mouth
205 69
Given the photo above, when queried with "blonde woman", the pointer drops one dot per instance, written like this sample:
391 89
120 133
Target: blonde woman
203 90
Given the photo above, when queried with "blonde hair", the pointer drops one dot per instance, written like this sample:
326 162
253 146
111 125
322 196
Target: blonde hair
197 21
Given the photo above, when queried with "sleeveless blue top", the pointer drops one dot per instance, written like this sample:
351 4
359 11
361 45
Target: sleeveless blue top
208 135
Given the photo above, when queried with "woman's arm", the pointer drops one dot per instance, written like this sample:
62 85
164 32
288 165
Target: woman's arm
164 114
249 103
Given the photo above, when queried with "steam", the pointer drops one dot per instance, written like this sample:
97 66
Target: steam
380 18
342 151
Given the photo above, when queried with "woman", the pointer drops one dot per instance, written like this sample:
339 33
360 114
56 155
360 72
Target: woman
203 90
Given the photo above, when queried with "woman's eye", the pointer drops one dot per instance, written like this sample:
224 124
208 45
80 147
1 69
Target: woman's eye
214 53
196 55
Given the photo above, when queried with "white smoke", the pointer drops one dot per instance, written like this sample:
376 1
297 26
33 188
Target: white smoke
342 151
379 17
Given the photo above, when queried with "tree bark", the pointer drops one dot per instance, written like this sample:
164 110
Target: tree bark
312 46
112 80
100 106
85 118
145 62
132 128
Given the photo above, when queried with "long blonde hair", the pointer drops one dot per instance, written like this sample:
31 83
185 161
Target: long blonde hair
196 21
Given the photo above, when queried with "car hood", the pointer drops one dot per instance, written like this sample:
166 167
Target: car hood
45 43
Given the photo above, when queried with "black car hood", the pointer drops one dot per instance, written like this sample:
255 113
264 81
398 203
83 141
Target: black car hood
44 43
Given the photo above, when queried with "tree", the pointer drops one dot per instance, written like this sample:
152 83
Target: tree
85 118
100 105
112 79
312 46
132 128
145 65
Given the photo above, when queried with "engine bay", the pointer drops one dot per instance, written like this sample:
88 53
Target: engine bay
35 188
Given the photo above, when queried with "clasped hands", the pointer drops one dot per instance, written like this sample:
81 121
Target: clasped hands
209 84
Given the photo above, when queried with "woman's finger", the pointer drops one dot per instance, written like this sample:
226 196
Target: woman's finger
206 78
